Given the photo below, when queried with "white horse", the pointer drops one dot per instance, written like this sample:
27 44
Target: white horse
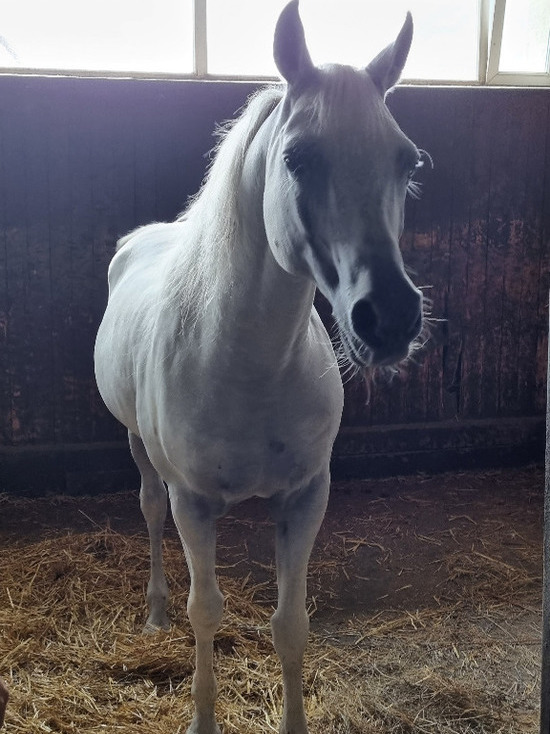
212 354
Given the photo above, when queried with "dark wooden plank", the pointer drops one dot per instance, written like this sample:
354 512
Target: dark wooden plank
6 433
475 236
458 164
533 268
499 329
64 189
516 243
545 647
538 401
38 354
95 225
17 409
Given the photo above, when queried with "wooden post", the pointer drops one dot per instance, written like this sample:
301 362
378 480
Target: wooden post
545 668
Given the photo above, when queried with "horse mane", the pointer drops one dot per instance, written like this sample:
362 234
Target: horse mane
203 259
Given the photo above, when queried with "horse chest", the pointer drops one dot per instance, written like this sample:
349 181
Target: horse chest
242 468
262 466
236 445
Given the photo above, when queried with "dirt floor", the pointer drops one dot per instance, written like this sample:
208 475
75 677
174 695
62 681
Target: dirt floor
424 595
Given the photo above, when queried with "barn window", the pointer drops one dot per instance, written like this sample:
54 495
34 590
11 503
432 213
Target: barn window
520 44
471 41
350 31
102 35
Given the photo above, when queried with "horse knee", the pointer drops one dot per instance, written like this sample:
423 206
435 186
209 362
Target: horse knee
290 633
205 611
153 500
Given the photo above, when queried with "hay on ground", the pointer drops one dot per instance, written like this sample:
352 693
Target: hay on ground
72 608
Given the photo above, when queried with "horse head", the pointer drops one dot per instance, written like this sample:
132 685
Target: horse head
337 173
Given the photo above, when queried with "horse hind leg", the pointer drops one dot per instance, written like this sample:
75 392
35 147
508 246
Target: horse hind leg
153 503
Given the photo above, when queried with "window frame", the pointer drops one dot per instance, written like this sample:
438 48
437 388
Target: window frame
489 48
505 78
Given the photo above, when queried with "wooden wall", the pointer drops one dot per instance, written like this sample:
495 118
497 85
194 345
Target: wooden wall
82 161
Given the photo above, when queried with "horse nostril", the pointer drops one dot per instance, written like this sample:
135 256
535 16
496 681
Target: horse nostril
365 323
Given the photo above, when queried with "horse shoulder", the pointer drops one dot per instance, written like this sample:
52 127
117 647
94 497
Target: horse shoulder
145 248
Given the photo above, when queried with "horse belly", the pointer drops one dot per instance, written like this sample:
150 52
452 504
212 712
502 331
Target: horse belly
113 374
124 335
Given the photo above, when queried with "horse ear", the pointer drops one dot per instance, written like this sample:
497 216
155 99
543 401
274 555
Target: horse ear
289 46
385 69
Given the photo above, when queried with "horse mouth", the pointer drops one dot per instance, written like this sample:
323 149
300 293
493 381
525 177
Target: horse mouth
362 356
356 351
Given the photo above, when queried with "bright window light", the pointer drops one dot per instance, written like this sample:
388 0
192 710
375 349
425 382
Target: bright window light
113 35
525 36
445 46
487 41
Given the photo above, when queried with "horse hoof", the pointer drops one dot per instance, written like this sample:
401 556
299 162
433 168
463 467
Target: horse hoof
210 729
152 629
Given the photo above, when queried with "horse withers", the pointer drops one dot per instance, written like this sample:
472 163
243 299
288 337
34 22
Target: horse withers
212 354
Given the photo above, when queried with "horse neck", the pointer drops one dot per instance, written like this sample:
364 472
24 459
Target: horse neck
266 305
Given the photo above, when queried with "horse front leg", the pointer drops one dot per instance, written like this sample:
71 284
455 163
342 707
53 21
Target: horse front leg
197 528
153 502
298 521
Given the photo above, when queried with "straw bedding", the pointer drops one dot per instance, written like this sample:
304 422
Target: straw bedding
424 598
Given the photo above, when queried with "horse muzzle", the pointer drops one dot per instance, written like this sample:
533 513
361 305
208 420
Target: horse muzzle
383 327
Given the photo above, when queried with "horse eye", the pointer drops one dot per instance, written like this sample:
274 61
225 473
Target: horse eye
303 157
287 158
293 160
